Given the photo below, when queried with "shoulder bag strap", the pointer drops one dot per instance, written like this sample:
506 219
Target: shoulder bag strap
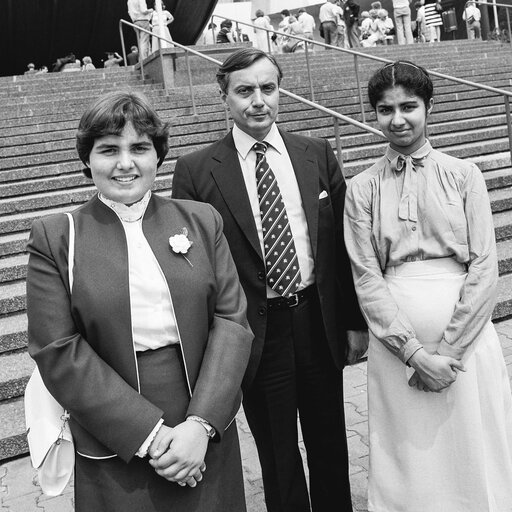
71 250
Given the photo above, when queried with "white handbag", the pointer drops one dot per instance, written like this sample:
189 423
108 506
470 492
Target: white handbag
49 437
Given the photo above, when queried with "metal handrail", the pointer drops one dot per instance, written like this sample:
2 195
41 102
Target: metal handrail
335 115
506 94
494 4
174 43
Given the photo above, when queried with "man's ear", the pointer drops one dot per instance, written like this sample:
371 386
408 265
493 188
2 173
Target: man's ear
223 98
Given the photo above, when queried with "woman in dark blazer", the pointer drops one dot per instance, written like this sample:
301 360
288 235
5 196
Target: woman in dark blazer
147 349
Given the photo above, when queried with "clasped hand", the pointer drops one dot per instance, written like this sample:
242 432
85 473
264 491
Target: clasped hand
177 454
433 372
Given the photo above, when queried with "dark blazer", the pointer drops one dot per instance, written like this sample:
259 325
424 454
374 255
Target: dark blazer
213 175
83 346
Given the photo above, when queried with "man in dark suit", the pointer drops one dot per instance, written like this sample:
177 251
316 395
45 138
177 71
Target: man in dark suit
294 269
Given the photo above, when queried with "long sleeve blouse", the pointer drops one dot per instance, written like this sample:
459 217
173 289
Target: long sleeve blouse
434 206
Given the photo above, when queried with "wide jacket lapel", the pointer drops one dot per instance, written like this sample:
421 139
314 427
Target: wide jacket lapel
306 171
226 171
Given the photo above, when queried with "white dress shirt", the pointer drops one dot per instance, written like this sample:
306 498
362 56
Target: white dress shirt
138 10
280 163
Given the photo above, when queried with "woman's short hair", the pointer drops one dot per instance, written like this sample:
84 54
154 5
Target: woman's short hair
110 113
411 77
259 13
285 12
242 59
226 24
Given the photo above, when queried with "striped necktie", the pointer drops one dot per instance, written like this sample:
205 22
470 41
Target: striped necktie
283 272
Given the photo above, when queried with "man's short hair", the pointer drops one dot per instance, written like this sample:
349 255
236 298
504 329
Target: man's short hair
285 12
242 59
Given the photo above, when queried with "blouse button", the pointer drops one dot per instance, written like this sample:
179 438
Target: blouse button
414 228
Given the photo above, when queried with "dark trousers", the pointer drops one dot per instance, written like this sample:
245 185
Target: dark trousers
296 373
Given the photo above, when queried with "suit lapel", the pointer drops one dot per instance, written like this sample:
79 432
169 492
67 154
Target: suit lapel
228 176
306 171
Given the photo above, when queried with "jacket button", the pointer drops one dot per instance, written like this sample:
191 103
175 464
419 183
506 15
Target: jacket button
261 276
262 311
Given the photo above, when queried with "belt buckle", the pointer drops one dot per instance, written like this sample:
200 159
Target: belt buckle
295 300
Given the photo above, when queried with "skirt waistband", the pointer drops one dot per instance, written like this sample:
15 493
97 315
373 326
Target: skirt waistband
426 267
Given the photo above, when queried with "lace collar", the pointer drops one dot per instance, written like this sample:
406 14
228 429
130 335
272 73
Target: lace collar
126 213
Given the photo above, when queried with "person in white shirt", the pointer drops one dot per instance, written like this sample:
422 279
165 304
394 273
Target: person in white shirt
141 16
329 16
262 37
308 25
402 15
471 16
385 26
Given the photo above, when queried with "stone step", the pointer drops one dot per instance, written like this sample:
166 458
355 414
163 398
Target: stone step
15 370
48 133
503 225
13 268
20 223
13 440
77 102
503 307
44 123
13 332
53 198
12 297
300 119
13 243
504 251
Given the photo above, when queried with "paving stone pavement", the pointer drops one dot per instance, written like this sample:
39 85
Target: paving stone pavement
19 491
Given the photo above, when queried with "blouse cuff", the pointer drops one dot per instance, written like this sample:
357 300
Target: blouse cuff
445 349
143 450
408 350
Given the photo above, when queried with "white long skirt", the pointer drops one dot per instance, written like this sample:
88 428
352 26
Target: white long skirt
438 452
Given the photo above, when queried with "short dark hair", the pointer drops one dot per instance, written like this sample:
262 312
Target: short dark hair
226 23
109 114
285 12
411 77
242 59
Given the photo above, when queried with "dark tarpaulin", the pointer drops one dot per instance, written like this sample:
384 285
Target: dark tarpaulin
40 31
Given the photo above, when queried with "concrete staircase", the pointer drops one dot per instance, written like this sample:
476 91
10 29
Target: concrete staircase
40 173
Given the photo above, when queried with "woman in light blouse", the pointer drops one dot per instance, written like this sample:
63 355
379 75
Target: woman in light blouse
147 350
420 236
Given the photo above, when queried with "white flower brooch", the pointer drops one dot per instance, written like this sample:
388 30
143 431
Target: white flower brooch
180 244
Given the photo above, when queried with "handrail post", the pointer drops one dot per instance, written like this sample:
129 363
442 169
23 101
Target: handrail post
509 124
268 41
361 104
337 138
311 90
190 84
508 25
123 48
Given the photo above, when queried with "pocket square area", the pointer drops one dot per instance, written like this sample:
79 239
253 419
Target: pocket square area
323 194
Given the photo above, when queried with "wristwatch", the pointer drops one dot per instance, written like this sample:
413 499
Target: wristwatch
210 431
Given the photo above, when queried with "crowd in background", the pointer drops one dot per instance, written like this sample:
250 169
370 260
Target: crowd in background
341 23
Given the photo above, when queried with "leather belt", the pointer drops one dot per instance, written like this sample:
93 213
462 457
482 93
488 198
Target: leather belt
292 300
